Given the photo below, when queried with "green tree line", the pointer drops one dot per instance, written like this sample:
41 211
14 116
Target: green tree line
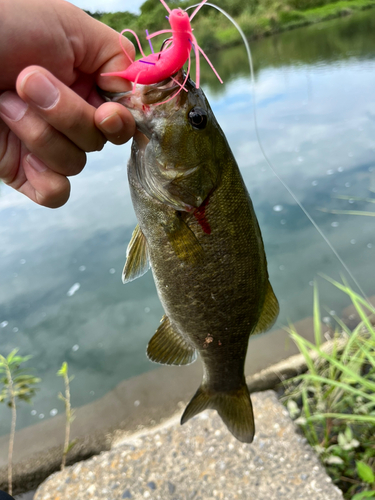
256 17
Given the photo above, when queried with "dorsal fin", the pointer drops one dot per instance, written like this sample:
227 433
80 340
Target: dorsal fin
137 263
169 347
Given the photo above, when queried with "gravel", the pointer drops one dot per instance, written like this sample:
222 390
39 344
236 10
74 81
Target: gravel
201 461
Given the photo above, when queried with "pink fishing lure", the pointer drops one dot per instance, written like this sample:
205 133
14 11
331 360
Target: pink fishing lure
161 65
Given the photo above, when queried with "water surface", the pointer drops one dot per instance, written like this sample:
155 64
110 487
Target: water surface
61 296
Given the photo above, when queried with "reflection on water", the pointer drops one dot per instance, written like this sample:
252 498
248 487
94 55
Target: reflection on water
61 294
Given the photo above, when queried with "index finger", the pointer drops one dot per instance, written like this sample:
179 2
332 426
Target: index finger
60 106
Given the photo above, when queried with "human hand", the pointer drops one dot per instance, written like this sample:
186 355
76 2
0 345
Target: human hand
51 55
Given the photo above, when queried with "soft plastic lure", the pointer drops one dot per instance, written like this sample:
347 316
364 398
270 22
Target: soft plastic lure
156 67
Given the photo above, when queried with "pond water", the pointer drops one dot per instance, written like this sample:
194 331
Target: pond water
61 296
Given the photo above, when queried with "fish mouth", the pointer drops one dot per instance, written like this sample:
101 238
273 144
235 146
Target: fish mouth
149 103
146 95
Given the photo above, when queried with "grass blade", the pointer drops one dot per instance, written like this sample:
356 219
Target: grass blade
342 385
343 416
357 378
317 325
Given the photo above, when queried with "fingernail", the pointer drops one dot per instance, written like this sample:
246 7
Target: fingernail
40 90
37 164
12 107
112 124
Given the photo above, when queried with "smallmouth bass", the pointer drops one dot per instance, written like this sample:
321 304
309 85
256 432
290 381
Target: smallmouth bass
198 231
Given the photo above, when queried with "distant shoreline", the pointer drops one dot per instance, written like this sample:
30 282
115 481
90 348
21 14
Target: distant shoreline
214 31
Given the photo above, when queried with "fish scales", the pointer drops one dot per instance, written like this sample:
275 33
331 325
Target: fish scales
199 231
224 293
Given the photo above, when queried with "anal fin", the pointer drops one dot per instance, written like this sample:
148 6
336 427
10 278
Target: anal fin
169 347
137 263
269 313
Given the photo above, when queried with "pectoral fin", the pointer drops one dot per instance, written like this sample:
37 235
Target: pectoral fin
137 263
270 311
183 241
169 347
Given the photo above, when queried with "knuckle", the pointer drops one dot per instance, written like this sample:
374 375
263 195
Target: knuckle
56 195
79 126
4 164
9 154
78 164
63 156
42 137
73 118
4 133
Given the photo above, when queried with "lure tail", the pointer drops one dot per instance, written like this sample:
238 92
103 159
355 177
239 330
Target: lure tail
234 408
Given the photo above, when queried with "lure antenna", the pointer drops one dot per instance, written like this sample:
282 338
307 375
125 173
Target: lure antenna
197 63
123 48
166 6
196 10
160 32
196 46
149 41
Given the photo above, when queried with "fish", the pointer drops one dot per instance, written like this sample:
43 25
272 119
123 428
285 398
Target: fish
198 232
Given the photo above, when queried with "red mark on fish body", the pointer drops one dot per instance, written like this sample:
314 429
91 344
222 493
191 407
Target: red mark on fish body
200 215
175 52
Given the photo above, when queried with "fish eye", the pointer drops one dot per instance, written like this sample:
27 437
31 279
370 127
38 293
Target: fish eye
198 118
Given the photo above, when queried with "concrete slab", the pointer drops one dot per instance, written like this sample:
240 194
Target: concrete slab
201 461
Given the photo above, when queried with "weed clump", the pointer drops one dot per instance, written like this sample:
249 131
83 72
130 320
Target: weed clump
334 402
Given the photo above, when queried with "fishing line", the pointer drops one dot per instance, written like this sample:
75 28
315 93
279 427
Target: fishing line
268 161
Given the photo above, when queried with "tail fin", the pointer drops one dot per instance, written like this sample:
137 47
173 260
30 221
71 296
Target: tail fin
234 408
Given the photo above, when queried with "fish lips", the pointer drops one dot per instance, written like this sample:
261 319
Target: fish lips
141 101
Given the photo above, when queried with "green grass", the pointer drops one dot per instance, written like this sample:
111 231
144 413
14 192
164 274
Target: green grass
334 402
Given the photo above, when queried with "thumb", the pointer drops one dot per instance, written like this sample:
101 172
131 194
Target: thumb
103 50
